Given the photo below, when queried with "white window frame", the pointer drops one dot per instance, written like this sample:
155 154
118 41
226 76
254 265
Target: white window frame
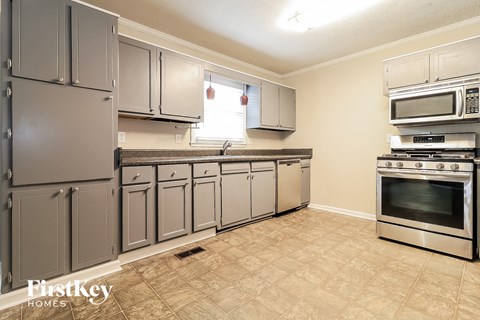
202 142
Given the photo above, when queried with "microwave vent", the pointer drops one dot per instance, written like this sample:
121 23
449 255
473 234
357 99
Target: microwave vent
436 86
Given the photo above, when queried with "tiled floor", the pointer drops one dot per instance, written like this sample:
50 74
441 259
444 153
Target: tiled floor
305 265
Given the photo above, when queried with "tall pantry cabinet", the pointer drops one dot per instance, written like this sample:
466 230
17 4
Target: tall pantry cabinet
58 113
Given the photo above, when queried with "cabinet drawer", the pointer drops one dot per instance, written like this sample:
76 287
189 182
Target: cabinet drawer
237 167
305 163
135 175
263 166
201 170
174 172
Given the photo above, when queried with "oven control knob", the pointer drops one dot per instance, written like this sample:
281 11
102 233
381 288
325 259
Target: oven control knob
388 164
454 166
399 164
440 166
418 165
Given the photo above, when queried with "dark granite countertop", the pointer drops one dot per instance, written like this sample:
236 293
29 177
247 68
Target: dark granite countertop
137 157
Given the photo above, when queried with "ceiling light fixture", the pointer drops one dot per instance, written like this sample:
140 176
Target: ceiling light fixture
318 13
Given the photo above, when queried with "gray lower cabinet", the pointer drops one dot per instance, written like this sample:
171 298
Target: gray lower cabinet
38 234
174 201
263 190
91 224
138 207
206 203
305 181
235 198
138 87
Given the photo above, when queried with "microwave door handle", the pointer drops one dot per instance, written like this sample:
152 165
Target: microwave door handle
461 104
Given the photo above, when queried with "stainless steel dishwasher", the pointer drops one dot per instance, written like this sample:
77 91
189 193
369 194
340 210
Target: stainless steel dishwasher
289 175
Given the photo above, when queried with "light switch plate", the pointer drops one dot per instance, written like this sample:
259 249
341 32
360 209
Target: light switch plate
178 138
122 137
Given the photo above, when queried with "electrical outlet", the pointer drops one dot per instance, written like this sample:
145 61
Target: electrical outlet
178 138
122 137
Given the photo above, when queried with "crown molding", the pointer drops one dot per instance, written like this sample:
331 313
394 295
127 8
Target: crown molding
419 36
167 37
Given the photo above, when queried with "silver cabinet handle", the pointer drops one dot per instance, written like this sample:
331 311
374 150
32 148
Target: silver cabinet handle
174 173
75 189
60 79
437 78
149 187
76 81
137 175
248 177
253 176
60 191
109 98
426 80
195 183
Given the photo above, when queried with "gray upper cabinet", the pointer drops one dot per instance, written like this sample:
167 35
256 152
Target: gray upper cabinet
39 43
174 201
263 193
287 103
182 87
38 39
91 224
138 207
442 63
206 203
271 107
408 70
456 60
138 87
38 235
93 34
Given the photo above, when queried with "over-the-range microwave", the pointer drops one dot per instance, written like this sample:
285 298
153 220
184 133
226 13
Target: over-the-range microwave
435 105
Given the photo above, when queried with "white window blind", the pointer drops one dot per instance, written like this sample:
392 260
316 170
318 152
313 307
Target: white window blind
224 117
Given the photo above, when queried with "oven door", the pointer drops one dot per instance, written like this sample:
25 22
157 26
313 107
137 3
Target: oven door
428 106
428 200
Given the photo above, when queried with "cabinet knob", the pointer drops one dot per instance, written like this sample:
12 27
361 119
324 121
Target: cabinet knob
248 177
149 187
437 78
253 176
206 171
75 189
109 98
60 79
426 80
174 173
195 183
76 82
137 175
60 191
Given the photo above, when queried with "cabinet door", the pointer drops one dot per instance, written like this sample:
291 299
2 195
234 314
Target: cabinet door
38 235
206 203
456 60
137 80
305 193
287 108
263 193
235 198
182 86
38 39
91 225
406 71
270 100
137 216
174 202
92 48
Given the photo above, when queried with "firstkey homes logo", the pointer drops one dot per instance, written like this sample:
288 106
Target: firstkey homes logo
74 288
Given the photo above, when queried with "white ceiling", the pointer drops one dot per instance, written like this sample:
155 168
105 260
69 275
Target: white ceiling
248 29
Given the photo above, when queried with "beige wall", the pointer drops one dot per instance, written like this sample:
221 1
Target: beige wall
160 135
342 114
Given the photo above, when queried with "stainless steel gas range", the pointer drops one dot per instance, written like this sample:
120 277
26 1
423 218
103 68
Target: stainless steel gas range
426 192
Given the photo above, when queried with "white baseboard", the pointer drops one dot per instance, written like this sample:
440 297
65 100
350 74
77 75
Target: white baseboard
16 297
164 246
347 212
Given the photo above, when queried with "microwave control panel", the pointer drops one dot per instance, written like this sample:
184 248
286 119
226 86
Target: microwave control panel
471 100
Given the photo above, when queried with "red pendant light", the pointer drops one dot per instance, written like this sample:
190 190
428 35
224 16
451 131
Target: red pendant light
210 91
244 97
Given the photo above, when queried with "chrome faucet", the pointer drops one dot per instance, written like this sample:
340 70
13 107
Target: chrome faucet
225 146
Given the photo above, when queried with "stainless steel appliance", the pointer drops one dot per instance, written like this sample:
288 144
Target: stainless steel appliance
425 192
435 104
289 177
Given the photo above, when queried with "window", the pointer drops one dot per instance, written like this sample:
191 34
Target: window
224 117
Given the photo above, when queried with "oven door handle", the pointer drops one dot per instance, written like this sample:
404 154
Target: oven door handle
454 176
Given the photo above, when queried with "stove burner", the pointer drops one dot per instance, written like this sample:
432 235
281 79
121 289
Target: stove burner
446 155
